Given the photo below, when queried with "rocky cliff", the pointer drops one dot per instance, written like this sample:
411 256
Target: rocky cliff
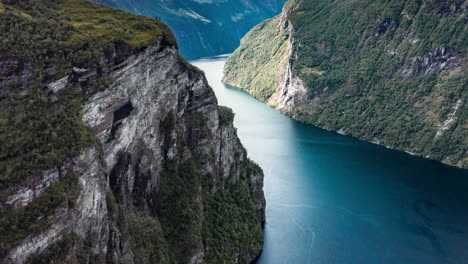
115 150
392 73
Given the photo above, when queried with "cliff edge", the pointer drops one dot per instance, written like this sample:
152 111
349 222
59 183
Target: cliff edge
113 148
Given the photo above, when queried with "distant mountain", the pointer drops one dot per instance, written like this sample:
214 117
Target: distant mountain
204 27
391 72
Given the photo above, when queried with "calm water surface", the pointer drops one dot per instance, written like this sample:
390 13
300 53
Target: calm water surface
334 199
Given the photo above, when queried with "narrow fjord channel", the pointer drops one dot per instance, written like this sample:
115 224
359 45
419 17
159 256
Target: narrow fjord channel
335 199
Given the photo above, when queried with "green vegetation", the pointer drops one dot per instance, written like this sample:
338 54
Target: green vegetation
169 122
231 219
68 33
352 56
71 248
147 238
230 223
36 217
259 63
93 22
181 217
190 67
35 29
226 115
37 130
197 23
212 212
56 253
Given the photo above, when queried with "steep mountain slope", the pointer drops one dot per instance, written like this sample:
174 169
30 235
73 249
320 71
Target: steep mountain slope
113 148
204 28
390 72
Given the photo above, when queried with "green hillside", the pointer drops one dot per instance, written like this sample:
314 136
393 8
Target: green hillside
54 36
204 28
390 72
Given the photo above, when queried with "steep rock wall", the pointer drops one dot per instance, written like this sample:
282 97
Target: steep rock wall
164 181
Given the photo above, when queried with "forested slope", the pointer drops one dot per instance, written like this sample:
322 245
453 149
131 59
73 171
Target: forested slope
389 72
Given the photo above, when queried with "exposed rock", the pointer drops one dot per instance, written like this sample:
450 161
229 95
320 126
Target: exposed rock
441 59
11 66
58 85
291 93
381 28
88 216
13 71
451 119
446 8
25 195
158 112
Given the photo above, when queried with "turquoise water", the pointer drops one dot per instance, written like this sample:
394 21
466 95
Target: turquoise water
335 199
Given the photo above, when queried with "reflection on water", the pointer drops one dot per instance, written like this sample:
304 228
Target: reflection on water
334 199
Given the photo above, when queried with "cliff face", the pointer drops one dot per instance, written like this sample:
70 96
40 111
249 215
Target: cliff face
159 176
204 28
389 73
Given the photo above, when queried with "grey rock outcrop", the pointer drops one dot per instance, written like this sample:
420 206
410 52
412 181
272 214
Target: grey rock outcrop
157 113
441 59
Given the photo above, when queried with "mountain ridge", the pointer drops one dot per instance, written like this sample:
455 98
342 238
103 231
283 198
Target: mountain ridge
371 73
211 27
